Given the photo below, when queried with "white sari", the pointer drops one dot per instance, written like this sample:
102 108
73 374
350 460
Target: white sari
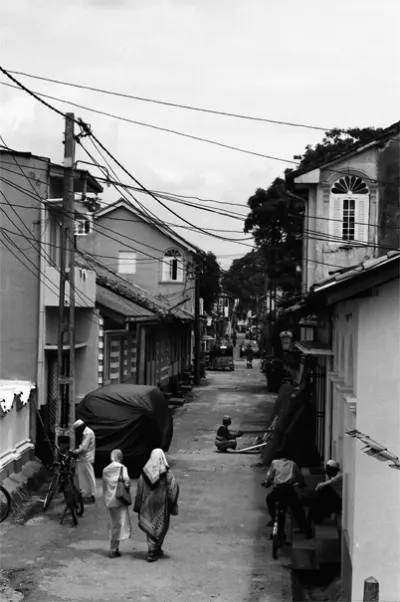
118 513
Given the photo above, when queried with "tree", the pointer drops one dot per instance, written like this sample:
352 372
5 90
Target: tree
210 277
335 143
275 221
245 280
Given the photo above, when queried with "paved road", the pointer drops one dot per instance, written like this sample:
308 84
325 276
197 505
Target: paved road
217 548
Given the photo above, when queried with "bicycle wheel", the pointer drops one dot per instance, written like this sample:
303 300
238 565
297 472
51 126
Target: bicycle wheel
79 505
275 541
51 492
5 504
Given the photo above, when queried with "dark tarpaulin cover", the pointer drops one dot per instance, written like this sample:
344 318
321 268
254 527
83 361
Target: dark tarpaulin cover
133 418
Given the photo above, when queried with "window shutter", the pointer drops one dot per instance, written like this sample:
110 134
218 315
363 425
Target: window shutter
361 218
336 219
166 268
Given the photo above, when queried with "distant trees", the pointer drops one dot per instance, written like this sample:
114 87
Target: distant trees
245 280
210 277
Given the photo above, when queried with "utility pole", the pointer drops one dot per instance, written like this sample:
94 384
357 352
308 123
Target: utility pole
197 324
65 414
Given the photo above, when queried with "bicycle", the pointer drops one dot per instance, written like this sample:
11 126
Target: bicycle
278 536
73 497
63 481
5 504
278 530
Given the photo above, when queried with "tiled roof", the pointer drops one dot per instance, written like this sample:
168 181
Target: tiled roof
355 271
108 279
129 309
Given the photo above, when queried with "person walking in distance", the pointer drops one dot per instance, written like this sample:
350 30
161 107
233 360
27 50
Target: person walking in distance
155 501
85 454
118 512
249 355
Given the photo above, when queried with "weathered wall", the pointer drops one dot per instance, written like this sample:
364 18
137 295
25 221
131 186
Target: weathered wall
322 255
389 196
19 283
376 549
122 231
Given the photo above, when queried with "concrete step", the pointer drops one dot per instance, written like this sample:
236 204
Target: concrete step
176 401
304 559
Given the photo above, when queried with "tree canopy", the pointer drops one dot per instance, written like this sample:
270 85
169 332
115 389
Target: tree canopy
245 280
210 277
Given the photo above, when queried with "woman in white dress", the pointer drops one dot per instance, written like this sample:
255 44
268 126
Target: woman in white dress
118 513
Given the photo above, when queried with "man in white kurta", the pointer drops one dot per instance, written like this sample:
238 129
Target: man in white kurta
85 461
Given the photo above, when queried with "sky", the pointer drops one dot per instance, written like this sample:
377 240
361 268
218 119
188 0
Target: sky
319 63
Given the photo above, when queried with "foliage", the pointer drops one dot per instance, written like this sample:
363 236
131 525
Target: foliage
210 277
337 142
275 220
245 280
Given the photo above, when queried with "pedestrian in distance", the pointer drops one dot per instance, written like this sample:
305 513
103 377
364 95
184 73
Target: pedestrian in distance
283 475
249 355
85 454
156 500
226 439
117 509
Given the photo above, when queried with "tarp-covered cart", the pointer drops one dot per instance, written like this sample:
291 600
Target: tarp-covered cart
132 418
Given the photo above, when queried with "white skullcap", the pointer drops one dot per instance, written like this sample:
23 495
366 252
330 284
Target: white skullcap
78 423
333 464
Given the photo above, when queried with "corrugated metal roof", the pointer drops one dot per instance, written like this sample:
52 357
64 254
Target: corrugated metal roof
129 309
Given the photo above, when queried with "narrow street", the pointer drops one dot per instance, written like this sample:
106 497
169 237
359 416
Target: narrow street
216 549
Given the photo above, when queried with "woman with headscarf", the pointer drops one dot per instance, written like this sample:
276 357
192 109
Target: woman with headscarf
156 499
118 514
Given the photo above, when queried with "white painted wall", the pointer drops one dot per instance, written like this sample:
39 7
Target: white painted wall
376 549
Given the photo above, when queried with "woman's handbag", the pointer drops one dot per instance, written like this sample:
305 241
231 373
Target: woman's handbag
123 494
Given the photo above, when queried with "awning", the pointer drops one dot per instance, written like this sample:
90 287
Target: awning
10 388
130 311
313 348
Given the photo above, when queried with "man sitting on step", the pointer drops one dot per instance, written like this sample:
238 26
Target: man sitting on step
327 498
226 439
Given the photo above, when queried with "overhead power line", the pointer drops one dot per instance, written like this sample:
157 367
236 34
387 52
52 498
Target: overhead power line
40 96
169 104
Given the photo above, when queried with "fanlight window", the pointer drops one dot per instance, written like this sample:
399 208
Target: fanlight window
350 185
172 268
349 210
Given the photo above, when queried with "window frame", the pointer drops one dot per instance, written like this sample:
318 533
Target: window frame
167 266
349 225
133 260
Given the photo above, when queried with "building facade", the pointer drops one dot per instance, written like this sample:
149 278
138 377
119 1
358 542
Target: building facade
363 396
352 207
29 299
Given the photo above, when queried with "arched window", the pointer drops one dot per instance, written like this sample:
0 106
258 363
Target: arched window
173 266
349 210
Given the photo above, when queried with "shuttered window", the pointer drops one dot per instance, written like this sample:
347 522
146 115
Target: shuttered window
348 211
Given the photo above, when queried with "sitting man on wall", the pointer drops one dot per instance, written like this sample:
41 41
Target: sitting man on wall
284 475
327 498
226 439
